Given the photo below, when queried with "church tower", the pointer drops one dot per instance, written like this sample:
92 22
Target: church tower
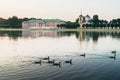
81 19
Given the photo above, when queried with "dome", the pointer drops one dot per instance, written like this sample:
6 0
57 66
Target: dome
87 16
81 16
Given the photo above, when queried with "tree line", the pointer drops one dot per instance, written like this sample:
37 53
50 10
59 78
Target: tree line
15 22
97 23
69 25
94 23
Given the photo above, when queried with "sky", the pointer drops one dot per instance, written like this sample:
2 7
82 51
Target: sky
67 10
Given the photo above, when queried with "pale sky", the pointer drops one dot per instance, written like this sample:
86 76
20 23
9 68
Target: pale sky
63 9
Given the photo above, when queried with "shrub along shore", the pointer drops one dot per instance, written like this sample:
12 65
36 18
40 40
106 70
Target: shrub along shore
20 29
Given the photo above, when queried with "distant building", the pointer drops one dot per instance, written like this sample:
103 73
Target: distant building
81 20
42 23
34 23
87 19
53 23
84 20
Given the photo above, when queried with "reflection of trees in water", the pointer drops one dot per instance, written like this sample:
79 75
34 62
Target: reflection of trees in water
83 35
66 33
87 35
11 34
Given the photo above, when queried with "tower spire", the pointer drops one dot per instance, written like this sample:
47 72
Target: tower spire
81 19
81 11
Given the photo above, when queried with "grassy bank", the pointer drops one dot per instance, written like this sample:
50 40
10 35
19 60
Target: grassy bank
10 29
104 30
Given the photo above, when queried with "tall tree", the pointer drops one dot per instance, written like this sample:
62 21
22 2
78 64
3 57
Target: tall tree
3 23
14 22
77 20
95 21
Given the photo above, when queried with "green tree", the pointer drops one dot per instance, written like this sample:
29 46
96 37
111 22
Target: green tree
69 25
95 21
14 22
77 20
3 23
95 18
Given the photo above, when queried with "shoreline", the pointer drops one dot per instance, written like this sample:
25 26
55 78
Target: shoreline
104 30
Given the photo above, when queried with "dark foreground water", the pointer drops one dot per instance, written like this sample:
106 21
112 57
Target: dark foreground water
20 49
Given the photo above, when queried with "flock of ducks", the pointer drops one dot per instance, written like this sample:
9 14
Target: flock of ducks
68 61
52 61
49 61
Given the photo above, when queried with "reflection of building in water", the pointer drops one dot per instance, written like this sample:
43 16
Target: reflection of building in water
37 33
80 37
42 23
46 33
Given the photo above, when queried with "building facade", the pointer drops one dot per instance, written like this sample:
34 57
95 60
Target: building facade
42 23
84 20
33 23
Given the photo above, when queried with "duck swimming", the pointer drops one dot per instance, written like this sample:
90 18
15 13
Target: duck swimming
37 62
46 58
51 61
113 57
57 64
113 51
83 55
70 61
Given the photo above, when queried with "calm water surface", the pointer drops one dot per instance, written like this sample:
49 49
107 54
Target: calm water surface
20 49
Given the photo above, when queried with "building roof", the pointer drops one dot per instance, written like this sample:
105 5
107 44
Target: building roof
53 20
45 20
33 20
88 16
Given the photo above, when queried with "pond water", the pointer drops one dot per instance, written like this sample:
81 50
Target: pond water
20 49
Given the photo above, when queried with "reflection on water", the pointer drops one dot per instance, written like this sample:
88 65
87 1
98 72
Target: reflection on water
11 34
21 49
81 35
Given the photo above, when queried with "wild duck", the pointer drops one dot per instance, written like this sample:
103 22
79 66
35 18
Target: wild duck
113 51
113 57
37 62
69 61
46 58
83 55
51 61
57 64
